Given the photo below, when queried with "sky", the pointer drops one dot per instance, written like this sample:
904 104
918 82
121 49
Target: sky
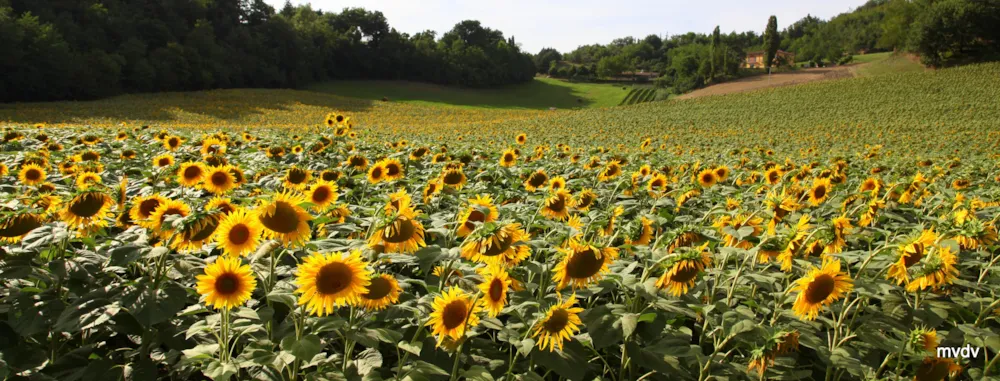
567 24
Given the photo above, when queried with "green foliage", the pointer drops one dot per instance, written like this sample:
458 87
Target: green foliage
78 50
771 41
613 65
952 32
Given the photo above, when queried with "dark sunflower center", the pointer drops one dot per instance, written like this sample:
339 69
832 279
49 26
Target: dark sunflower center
913 254
20 225
238 234
33 174
296 176
329 176
454 314
932 371
377 173
558 204
321 195
499 246
820 288
227 284
474 216
333 278
357 161
453 177
508 157
586 200
658 183
173 142
393 170
87 205
163 162
819 192
220 179
496 290
90 156
707 178
400 230
536 180
379 288
557 321
686 274
585 264
201 230
192 172
284 219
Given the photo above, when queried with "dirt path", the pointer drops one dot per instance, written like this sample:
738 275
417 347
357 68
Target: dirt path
780 79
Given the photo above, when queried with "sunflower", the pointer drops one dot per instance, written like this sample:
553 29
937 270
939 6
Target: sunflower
16 226
960 184
585 199
432 188
479 211
284 219
645 233
87 211
611 170
707 178
936 369
453 312
219 180
376 174
31 174
382 291
321 194
190 173
172 143
536 180
328 280
819 288
418 153
560 323
925 339
773 176
657 185
938 269
4 170
85 180
556 207
557 183
870 184
582 264
238 233
683 270
357 162
722 173
296 178
910 253
497 244
453 177
195 233
399 233
393 169
222 204
521 138
158 218
735 223
494 289
164 160
508 158
227 283
143 208
820 191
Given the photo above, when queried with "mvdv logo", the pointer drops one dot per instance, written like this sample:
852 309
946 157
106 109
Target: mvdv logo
966 352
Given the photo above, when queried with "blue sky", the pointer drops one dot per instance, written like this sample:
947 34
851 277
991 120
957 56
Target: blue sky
566 24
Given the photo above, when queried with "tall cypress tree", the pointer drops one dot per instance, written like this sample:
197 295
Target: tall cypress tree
771 41
716 51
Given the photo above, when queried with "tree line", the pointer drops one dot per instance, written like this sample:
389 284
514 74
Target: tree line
941 32
84 49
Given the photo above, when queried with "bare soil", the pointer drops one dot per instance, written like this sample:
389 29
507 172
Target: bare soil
780 79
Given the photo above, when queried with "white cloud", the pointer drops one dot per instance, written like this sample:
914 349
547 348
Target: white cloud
564 24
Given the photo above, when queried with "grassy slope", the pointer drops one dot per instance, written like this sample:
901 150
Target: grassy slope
865 58
539 94
889 64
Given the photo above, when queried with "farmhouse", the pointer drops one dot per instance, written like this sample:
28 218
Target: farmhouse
756 59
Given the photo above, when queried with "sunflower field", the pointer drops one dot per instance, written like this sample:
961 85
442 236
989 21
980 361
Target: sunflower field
343 251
